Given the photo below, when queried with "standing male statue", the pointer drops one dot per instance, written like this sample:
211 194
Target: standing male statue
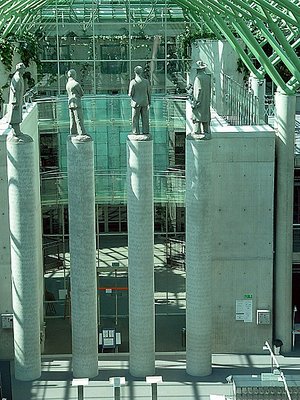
15 103
201 99
140 93
75 93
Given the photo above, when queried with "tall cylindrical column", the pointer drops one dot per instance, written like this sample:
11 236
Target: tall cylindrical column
81 194
285 138
198 255
259 90
140 255
24 222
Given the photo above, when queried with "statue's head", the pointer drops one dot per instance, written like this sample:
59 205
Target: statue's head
138 70
201 65
20 67
71 73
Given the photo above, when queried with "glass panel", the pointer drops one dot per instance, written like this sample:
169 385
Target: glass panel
112 77
107 49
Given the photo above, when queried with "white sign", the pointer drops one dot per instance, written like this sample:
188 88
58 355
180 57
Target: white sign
248 311
243 310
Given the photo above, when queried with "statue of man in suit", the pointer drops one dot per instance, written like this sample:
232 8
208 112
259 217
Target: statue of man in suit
140 93
15 102
75 93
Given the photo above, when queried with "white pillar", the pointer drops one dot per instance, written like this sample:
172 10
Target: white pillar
285 106
198 255
24 214
140 255
81 194
259 90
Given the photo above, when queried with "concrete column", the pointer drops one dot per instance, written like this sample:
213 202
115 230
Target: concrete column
285 106
81 194
198 255
6 335
24 222
140 255
259 89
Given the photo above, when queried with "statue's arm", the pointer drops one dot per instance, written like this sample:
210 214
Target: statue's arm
16 97
197 91
149 93
131 89
80 90
13 91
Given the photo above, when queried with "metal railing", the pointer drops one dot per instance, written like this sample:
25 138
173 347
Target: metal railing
110 186
240 106
269 106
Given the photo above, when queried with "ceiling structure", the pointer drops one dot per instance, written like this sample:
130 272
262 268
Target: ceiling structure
260 24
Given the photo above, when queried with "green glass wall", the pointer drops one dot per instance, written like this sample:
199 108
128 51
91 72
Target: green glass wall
108 121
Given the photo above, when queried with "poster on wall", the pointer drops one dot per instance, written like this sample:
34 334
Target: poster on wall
243 310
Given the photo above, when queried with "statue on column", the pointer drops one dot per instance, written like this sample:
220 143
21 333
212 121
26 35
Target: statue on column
140 93
15 102
201 100
75 92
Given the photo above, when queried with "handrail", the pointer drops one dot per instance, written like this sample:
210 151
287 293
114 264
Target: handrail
278 367
240 105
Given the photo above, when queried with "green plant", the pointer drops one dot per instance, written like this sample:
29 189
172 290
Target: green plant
242 69
6 53
25 44
185 40
28 48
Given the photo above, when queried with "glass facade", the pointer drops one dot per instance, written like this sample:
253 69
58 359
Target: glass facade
108 121
104 41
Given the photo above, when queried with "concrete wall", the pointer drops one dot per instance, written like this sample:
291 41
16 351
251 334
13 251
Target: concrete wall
29 126
243 168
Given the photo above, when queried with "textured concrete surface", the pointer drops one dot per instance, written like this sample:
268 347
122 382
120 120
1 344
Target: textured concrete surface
140 254
29 124
198 255
243 223
81 192
6 335
25 241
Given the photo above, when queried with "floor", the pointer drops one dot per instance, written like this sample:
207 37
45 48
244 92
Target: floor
56 379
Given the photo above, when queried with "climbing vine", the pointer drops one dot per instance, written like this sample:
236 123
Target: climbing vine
185 40
7 49
26 45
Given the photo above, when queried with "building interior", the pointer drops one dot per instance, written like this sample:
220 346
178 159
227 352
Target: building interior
251 50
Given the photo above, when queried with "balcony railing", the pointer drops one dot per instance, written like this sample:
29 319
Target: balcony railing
110 187
240 106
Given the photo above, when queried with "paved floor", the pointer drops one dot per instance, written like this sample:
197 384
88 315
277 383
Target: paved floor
56 379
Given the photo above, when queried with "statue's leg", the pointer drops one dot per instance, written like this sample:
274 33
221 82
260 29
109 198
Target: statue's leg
205 127
135 120
73 129
145 120
16 130
197 127
78 115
